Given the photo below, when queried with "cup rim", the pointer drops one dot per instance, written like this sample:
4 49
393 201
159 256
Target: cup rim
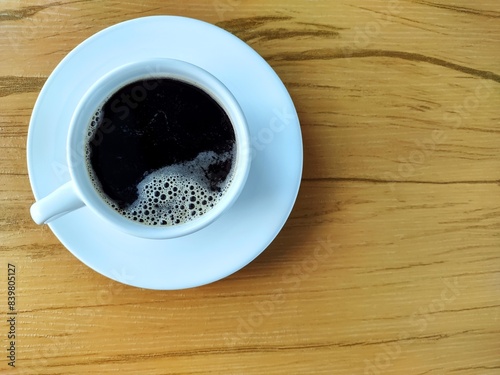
111 82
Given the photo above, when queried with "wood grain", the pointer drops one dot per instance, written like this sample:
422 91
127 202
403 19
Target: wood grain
389 263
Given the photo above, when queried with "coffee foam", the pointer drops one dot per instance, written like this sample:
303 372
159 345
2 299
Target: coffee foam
174 194
177 193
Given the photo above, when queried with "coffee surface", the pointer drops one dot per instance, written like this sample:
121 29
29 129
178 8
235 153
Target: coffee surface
161 151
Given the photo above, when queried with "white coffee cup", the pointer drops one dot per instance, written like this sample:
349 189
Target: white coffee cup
80 190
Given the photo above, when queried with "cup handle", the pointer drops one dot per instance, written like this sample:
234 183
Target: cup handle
60 202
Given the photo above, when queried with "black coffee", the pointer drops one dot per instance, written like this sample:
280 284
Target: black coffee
161 151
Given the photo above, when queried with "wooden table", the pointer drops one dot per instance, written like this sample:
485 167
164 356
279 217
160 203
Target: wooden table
389 262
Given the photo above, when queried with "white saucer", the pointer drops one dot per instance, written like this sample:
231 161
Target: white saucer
237 237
